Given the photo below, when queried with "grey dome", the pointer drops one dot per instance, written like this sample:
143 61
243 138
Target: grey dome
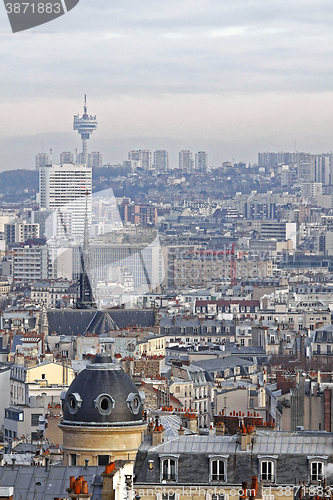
102 394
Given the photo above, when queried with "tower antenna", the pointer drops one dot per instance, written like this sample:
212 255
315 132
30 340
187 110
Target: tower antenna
85 127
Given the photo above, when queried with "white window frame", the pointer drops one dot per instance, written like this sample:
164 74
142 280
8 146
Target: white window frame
317 459
269 464
168 458
272 459
218 459
318 475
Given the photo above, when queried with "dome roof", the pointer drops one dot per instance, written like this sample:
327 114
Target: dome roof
102 394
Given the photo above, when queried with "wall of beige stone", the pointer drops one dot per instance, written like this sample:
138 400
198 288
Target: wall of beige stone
120 443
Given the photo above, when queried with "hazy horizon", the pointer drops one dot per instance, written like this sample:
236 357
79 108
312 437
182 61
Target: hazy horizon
230 78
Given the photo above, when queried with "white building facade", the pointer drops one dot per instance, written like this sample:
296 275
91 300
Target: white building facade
63 189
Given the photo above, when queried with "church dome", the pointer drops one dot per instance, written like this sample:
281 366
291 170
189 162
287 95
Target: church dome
102 395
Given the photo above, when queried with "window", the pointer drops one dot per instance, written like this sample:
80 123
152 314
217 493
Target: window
103 459
169 496
317 471
217 470
217 497
73 459
35 419
43 376
169 469
267 471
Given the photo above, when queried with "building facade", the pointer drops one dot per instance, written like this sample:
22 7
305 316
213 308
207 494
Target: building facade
63 189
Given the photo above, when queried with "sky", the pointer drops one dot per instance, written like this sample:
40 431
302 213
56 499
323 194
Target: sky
229 77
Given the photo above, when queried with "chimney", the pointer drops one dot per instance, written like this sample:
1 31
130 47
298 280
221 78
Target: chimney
190 421
220 429
78 488
157 435
245 435
327 410
108 491
243 442
6 492
181 431
211 431
254 488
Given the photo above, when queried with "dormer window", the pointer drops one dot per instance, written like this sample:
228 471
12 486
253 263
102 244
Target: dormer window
317 471
267 468
169 468
218 468
317 467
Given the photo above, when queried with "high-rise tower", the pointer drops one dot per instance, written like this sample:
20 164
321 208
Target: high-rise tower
85 126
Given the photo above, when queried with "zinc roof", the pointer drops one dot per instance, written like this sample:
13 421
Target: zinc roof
265 443
35 482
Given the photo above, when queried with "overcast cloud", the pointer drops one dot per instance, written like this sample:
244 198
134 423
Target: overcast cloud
231 77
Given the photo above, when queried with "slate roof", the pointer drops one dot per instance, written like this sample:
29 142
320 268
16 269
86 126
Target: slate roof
181 322
35 482
78 321
17 340
220 364
324 334
171 424
245 350
292 449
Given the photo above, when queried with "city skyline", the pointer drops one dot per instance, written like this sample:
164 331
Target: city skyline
229 79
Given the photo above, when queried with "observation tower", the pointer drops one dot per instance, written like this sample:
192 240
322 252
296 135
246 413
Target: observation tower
85 126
